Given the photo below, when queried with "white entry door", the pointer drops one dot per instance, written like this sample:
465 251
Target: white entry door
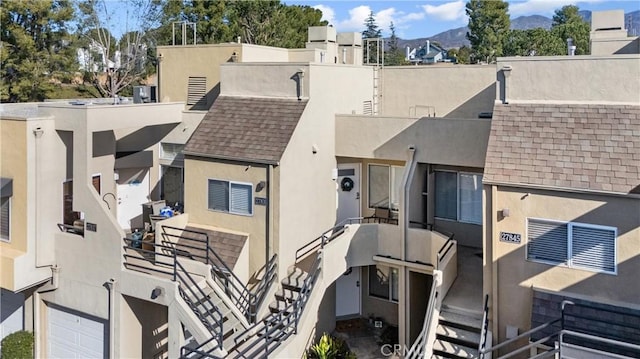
348 293
133 191
73 335
348 191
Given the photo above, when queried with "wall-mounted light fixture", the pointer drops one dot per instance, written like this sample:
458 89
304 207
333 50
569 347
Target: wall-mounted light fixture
505 212
156 292
260 186
314 149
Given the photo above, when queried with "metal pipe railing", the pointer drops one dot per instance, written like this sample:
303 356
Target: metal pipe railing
485 328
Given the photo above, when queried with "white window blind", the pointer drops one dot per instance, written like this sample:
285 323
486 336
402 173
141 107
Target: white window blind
573 244
219 195
446 194
470 198
547 241
241 198
593 248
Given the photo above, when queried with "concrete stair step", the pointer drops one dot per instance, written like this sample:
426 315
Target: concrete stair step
461 321
295 280
451 350
462 311
278 306
458 335
287 295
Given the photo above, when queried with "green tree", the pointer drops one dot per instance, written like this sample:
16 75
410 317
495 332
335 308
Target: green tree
394 55
372 31
567 23
36 48
533 42
268 23
112 65
488 26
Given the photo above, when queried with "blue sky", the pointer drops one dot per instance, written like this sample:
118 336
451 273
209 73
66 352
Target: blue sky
414 19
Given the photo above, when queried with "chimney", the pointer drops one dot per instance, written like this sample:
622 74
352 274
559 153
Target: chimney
571 48
408 52
428 46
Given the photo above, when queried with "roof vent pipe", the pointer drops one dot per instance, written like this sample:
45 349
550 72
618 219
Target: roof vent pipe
571 48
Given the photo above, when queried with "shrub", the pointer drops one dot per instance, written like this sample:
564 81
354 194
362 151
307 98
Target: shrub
18 345
329 347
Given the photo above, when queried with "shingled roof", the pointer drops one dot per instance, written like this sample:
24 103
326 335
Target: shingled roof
246 128
585 147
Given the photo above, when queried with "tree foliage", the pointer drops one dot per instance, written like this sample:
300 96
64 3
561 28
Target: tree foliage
393 56
371 31
35 48
268 23
111 64
533 42
488 27
567 23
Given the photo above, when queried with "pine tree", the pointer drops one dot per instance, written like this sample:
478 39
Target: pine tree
488 27
393 55
567 23
372 31
35 48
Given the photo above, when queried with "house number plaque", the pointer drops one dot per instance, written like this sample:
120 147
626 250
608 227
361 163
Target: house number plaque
510 237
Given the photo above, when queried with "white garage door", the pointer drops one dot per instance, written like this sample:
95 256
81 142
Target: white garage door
73 335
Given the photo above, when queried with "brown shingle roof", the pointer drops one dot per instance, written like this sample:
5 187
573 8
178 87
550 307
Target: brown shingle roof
246 128
587 147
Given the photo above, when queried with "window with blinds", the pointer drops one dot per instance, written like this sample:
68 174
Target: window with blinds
5 217
231 197
458 196
576 245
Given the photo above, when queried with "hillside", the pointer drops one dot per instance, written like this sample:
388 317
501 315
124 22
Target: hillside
457 37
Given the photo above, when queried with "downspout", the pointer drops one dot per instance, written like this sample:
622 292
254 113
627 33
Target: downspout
267 226
406 185
112 322
403 222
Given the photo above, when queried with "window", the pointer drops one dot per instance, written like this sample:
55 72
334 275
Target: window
575 245
458 196
171 151
383 282
5 218
231 197
385 186
172 184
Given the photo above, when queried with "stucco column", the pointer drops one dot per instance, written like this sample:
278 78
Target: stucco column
175 332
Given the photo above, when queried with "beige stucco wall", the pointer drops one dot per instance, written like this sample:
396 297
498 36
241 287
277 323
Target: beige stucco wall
512 277
308 200
13 164
257 53
449 141
616 46
460 91
264 79
203 60
610 79
197 174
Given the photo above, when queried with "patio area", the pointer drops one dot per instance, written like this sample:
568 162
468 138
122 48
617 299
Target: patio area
364 339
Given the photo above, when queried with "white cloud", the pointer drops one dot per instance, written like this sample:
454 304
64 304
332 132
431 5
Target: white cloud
541 7
450 11
327 13
356 19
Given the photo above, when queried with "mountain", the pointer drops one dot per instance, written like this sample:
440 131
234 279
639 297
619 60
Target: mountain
457 37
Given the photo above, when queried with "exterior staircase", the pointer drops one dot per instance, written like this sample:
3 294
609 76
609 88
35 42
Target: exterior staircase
457 334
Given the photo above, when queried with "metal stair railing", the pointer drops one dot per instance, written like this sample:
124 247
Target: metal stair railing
190 291
485 328
241 296
419 347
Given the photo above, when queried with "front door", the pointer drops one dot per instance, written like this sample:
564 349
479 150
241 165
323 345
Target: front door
133 191
348 191
348 293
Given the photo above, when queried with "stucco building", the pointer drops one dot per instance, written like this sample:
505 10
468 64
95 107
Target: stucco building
455 206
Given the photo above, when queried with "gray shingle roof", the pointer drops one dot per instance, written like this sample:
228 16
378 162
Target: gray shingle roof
246 128
586 147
